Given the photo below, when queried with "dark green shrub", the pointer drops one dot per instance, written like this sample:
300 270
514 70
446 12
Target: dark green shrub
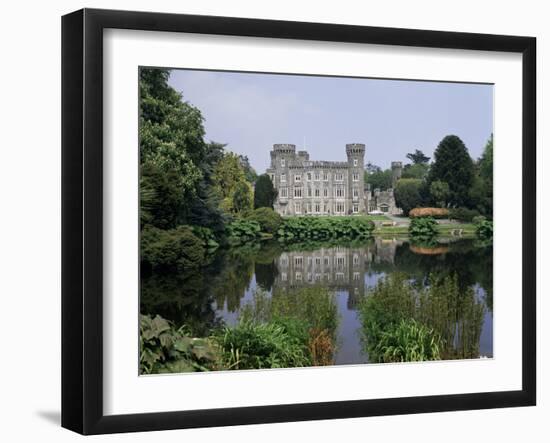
207 237
463 214
171 249
423 229
267 218
484 230
164 348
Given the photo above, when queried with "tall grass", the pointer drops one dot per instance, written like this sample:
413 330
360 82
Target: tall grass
284 330
438 321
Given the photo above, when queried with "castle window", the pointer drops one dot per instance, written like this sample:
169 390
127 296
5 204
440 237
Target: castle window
339 177
283 177
317 192
309 192
298 261
284 192
299 276
297 192
356 276
317 176
308 208
297 178
283 163
355 260
317 208
355 208
325 208
297 208
325 193
284 276
339 208
339 192
355 177
355 193
326 176
309 176
355 162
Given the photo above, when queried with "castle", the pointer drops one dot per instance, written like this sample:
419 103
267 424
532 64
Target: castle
307 187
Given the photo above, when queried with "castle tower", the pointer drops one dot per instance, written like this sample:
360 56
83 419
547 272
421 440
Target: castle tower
396 170
356 155
282 154
356 184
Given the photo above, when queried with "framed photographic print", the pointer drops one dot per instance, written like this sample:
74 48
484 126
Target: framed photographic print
269 221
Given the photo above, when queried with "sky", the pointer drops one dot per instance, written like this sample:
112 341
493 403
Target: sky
251 112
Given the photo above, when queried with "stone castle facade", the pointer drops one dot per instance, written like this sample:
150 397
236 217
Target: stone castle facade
307 187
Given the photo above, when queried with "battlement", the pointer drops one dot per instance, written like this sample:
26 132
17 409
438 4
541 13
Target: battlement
355 148
396 165
284 147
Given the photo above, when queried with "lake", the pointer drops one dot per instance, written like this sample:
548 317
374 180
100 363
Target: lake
215 295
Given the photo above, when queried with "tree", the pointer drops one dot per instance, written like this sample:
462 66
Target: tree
249 172
170 131
418 157
415 170
454 166
407 194
482 190
228 173
379 179
264 192
439 191
171 150
242 197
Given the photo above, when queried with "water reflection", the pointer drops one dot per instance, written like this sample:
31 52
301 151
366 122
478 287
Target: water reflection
203 300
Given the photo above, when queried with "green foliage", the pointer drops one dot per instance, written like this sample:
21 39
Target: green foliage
242 197
454 166
463 214
313 306
482 190
269 220
264 192
442 310
378 179
407 194
408 341
484 230
423 229
230 185
165 349
173 249
325 228
251 345
418 157
170 132
242 230
309 317
206 236
250 174
418 171
440 192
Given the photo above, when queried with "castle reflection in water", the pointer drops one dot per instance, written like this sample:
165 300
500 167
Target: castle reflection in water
340 268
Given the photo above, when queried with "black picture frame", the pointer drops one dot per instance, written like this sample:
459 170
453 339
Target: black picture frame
82 218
